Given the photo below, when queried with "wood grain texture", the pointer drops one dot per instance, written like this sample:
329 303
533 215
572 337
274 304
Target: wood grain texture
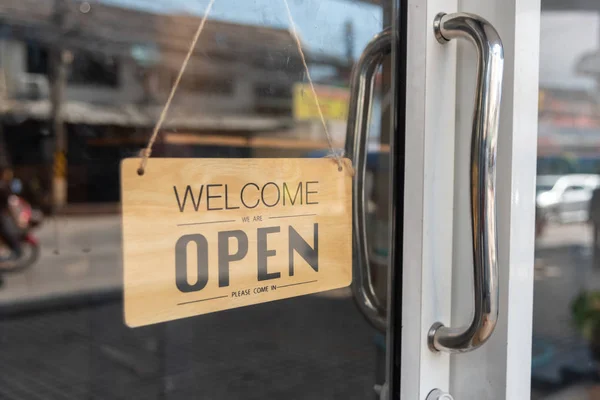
254 214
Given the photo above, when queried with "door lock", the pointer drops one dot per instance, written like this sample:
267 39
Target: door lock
437 394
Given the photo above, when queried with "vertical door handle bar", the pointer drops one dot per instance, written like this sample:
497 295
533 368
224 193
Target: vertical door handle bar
359 116
490 64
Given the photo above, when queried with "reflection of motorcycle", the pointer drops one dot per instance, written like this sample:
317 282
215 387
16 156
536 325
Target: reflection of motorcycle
26 218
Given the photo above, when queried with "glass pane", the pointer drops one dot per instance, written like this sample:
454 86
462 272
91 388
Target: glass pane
82 85
566 323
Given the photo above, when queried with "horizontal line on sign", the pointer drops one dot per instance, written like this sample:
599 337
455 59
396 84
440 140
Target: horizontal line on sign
294 216
205 223
198 301
296 284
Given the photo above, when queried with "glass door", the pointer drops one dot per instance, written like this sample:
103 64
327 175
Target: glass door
83 85
565 329
438 211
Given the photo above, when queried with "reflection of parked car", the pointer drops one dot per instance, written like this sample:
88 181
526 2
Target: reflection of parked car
566 198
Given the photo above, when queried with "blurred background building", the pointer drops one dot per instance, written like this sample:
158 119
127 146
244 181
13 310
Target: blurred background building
82 84
569 125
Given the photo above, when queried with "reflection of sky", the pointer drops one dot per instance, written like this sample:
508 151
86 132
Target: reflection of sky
320 22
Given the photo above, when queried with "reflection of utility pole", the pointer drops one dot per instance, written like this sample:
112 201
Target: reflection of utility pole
59 59
349 36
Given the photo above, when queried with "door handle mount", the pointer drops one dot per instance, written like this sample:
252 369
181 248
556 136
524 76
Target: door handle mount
490 64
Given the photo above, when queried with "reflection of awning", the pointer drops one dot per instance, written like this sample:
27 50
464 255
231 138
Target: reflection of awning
568 136
142 116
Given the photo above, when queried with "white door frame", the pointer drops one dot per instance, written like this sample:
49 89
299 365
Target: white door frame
437 280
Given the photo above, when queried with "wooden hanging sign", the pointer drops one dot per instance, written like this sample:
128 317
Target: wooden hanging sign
205 235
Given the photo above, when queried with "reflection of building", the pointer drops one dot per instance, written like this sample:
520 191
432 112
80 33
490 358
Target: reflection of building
123 65
569 124
569 132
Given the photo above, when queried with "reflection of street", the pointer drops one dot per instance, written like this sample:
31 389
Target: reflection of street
304 348
79 255
562 270
311 347
570 234
264 338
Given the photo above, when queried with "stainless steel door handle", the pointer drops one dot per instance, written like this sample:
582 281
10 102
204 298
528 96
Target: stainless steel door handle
490 64
359 115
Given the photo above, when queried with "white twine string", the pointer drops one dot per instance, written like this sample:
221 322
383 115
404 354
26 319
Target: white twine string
294 32
148 150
